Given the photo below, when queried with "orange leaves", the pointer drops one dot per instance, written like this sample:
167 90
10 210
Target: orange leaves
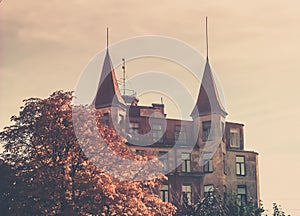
77 163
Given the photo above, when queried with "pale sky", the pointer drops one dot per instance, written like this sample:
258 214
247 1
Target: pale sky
254 49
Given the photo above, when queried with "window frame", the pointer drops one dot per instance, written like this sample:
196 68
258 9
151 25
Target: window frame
237 140
224 163
105 118
186 162
206 131
164 193
208 165
242 197
180 134
157 134
163 157
189 194
208 193
240 165
134 129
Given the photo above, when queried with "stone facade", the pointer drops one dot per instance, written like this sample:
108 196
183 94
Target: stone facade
206 153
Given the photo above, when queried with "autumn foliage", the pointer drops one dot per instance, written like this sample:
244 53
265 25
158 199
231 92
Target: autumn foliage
60 168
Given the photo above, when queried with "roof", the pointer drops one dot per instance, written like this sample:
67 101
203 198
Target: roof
108 93
208 101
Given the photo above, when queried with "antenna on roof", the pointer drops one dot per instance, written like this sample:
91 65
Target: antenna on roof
124 77
107 38
206 28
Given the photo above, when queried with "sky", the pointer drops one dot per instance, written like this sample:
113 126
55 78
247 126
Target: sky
253 47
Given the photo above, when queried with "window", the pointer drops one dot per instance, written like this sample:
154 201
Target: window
164 193
240 165
134 130
206 128
208 162
140 152
225 192
235 137
186 162
157 133
105 119
121 120
186 193
242 194
164 160
224 164
180 134
208 189
223 131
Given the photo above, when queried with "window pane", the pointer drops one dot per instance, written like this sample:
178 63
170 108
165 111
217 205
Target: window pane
242 169
186 162
120 119
134 130
208 188
164 159
187 192
235 137
208 162
238 170
240 165
164 193
185 156
180 134
240 159
241 190
157 132
206 127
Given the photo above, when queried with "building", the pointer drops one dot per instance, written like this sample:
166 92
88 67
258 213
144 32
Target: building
227 168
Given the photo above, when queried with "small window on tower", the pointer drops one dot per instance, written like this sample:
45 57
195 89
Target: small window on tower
235 137
208 162
206 129
121 119
105 118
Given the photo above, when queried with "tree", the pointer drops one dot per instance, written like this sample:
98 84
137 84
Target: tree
214 204
277 210
54 176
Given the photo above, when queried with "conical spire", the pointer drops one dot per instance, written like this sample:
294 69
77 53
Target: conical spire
108 93
208 101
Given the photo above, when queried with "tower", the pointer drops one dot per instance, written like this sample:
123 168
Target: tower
209 125
108 98
208 113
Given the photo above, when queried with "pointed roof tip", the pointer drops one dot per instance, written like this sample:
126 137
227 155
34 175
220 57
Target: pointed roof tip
206 32
107 38
108 92
208 101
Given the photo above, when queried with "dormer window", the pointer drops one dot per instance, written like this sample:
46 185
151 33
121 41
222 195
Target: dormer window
157 133
180 134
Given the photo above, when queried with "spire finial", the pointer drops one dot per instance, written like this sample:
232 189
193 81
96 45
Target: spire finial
107 37
206 26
